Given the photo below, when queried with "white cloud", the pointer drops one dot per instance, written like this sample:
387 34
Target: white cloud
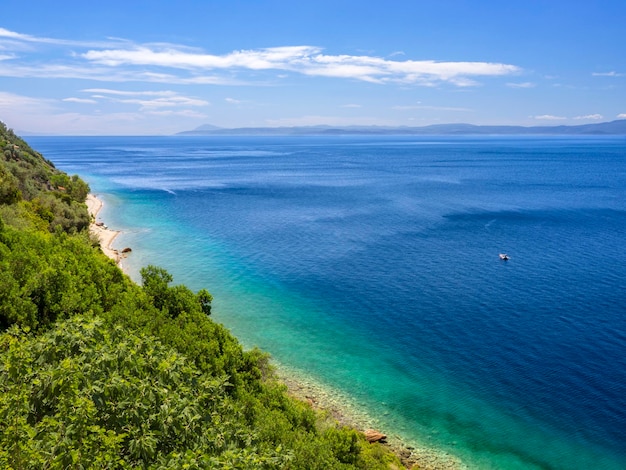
607 74
463 82
108 74
108 91
172 101
375 69
79 100
621 116
5 33
162 99
270 58
17 38
549 117
188 113
592 117
429 107
118 60
521 85
232 101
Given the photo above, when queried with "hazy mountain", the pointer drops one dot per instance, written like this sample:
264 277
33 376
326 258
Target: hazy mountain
604 128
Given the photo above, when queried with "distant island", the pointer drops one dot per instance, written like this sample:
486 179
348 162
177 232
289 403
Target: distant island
617 127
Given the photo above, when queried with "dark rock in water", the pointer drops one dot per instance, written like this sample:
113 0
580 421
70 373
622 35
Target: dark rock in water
374 436
126 250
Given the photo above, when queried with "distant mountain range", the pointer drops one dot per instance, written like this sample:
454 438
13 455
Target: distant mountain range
603 128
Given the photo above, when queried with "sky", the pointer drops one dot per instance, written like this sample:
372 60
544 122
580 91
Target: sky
139 67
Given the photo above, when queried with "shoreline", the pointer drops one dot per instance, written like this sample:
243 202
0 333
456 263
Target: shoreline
324 399
320 397
105 235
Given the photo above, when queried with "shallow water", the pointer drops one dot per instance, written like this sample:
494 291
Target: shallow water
371 265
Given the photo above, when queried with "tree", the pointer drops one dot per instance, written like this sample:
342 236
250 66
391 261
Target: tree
155 283
78 189
205 300
9 188
173 300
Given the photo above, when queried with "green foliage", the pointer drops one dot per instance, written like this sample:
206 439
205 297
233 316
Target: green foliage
86 394
156 282
205 300
344 443
9 187
56 197
48 276
174 300
209 345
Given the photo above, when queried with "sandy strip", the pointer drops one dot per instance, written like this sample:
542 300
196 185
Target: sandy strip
98 229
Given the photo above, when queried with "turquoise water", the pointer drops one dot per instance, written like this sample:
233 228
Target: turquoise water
371 264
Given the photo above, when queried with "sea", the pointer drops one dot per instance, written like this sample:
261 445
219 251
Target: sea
370 265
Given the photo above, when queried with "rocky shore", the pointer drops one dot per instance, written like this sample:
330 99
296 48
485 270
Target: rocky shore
339 408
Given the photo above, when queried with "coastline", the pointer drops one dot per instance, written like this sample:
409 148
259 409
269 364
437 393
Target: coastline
105 235
319 396
324 399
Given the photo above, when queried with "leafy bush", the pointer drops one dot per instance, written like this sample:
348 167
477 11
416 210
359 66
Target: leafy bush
48 276
84 394
9 187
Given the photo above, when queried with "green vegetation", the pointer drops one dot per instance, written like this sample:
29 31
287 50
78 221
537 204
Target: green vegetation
34 193
99 372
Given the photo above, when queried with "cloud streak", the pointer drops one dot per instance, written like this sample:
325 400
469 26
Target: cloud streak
586 117
590 117
429 107
549 117
79 100
306 60
521 85
8 37
120 60
147 100
607 74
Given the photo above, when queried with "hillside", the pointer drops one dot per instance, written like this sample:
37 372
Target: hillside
99 372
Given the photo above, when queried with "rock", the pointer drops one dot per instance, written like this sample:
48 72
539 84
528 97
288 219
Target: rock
126 250
374 436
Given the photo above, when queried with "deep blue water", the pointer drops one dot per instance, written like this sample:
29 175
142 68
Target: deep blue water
371 264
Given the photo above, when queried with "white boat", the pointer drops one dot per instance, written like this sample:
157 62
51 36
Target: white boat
504 257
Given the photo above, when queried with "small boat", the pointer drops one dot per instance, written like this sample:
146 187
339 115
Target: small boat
504 257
